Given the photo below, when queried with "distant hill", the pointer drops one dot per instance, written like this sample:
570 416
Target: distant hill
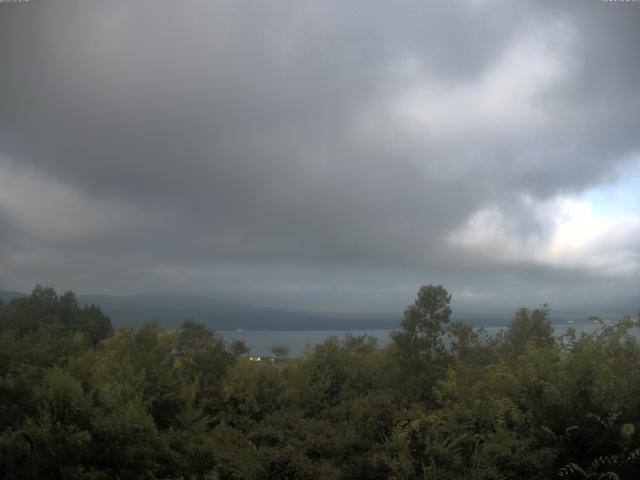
8 295
172 310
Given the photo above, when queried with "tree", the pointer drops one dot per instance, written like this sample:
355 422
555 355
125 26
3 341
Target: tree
44 309
423 322
93 323
280 351
239 348
203 359
462 338
530 326
420 350
193 337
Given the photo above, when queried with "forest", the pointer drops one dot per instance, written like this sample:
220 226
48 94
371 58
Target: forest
442 401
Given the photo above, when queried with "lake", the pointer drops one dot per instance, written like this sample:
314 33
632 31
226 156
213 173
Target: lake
261 341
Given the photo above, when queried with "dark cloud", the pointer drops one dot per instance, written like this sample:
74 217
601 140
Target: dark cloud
225 141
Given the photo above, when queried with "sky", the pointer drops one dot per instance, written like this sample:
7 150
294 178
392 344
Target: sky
324 155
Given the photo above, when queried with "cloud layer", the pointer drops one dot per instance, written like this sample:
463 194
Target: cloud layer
321 154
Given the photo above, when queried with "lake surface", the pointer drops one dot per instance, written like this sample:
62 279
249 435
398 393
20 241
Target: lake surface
260 342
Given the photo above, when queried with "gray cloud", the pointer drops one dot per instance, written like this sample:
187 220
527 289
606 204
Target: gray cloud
255 146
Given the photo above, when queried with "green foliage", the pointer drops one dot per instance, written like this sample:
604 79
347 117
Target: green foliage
419 347
36 314
529 327
423 324
280 351
441 401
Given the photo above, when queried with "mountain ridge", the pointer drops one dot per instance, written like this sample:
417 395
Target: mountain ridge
172 309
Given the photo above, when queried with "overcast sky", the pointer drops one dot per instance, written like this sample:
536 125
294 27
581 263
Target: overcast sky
323 154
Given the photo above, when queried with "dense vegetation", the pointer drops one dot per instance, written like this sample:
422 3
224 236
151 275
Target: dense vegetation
442 401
